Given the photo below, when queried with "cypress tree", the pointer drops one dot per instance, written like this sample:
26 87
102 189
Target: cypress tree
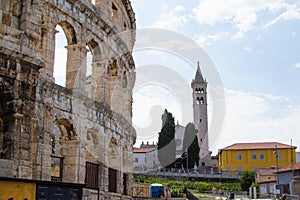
166 141
190 144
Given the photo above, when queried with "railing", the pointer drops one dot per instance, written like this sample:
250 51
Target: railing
193 174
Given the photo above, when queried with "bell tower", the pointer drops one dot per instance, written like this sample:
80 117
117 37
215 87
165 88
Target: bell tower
199 86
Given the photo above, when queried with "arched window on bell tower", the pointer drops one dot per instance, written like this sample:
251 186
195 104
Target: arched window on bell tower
201 100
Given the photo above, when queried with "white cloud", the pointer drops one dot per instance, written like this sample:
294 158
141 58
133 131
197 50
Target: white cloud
297 65
242 14
248 49
292 12
259 117
206 40
172 19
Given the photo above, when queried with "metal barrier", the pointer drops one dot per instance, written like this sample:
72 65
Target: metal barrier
193 174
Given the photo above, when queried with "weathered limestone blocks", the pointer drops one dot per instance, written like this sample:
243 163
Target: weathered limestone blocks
49 132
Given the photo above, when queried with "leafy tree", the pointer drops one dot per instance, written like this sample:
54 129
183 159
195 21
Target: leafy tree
247 180
166 141
190 143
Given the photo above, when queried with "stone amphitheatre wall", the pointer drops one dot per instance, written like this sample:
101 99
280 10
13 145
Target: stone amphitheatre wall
86 121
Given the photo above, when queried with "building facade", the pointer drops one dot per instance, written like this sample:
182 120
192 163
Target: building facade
288 179
145 159
266 180
297 157
252 156
81 133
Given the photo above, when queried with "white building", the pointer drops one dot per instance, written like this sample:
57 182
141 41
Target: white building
145 159
179 135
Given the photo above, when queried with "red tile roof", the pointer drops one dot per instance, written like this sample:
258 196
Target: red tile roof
266 172
258 145
289 168
143 150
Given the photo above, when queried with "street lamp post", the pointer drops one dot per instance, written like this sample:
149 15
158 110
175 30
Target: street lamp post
187 165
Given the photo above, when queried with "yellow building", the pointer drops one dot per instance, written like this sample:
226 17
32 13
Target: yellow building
252 156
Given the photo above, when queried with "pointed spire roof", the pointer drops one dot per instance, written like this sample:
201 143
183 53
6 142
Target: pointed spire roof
198 77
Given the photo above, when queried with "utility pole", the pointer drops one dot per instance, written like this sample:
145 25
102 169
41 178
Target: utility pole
277 177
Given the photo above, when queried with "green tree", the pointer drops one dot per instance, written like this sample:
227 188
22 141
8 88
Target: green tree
166 141
190 143
247 180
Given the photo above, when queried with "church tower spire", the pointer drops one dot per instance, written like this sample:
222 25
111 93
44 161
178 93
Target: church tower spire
199 86
198 76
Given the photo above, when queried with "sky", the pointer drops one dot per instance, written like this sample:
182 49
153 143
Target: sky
248 52
254 47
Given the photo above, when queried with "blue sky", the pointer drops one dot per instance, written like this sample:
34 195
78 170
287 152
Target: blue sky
254 45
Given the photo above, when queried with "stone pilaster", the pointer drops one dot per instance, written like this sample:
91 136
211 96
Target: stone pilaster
47 50
74 162
76 67
116 94
98 91
22 161
44 143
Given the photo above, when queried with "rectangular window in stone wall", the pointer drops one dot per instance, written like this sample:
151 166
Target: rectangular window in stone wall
56 168
125 184
91 175
112 178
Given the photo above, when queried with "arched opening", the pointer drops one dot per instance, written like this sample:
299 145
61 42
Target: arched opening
89 61
60 58
89 68
94 70
202 100
65 66
62 131
66 128
198 100
124 81
114 13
